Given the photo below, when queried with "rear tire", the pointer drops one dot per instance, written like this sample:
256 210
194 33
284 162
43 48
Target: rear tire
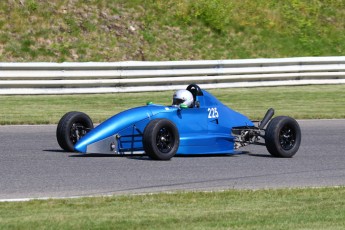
72 126
161 139
283 137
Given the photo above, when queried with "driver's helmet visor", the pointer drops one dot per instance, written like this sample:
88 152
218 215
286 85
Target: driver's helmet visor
177 101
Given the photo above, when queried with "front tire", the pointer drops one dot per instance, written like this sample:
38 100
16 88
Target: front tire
72 126
283 137
161 139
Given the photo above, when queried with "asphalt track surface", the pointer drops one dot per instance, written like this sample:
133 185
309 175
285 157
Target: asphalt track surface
33 166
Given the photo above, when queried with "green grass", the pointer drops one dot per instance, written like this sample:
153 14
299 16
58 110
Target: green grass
94 30
301 102
321 208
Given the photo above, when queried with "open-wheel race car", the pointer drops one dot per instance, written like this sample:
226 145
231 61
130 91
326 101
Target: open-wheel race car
196 123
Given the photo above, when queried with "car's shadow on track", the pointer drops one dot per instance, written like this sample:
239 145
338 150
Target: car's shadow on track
92 155
100 155
78 155
145 157
261 155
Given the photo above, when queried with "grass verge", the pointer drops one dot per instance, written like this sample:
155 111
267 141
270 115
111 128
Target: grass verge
321 208
300 102
108 30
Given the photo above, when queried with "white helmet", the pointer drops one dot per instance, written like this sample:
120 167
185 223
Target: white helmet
184 97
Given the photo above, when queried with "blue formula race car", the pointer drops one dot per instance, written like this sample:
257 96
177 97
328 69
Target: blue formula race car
196 123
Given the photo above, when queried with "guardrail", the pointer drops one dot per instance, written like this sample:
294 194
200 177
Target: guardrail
111 77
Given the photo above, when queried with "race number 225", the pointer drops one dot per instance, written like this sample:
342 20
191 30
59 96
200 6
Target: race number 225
212 113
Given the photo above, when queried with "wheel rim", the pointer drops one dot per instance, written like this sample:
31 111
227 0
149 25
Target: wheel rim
287 137
77 131
165 140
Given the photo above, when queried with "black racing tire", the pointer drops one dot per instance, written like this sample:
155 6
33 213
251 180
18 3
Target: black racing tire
72 126
161 139
283 137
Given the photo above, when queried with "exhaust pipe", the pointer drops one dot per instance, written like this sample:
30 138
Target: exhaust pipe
269 114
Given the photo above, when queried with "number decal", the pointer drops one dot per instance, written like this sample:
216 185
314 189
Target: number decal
212 113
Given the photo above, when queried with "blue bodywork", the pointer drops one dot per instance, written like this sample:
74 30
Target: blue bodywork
205 129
